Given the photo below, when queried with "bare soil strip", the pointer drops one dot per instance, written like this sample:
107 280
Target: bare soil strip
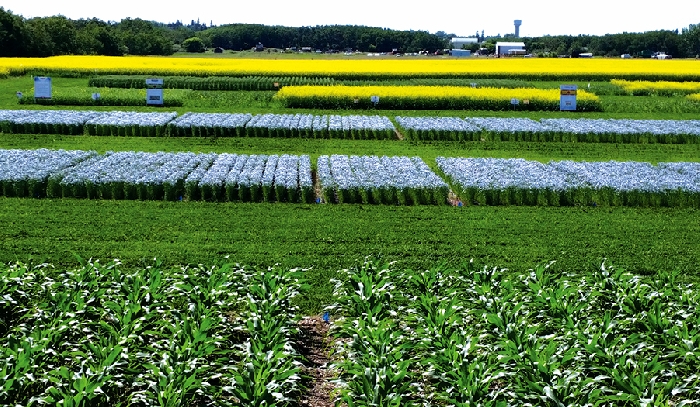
314 346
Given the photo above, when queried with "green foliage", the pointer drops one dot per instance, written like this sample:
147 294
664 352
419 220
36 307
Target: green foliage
100 334
613 45
139 37
650 105
475 337
13 34
691 40
58 35
212 83
108 97
336 37
331 237
194 44
427 150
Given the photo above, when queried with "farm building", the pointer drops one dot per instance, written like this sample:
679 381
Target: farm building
459 42
510 48
461 53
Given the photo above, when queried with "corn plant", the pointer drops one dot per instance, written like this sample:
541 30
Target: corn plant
377 369
105 335
463 374
269 371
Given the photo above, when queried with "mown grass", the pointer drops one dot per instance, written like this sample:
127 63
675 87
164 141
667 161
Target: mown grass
428 150
326 238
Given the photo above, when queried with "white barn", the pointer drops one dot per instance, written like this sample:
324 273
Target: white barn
510 48
458 42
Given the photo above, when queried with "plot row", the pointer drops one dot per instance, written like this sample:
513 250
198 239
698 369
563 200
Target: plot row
151 124
344 179
156 176
557 130
491 181
379 180
154 124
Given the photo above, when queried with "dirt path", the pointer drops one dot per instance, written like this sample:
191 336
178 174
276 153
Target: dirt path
314 346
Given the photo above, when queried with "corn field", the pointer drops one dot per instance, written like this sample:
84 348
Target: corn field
485 337
104 335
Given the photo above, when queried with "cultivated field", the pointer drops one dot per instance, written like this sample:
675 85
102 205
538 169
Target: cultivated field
284 240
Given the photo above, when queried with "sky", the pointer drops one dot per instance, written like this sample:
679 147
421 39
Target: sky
464 18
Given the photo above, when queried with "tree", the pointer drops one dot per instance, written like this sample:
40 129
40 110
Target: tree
691 40
142 38
194 44
13 35
61 35
95 37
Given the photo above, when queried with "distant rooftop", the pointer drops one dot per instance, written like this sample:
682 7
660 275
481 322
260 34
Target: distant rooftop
465 39
510 44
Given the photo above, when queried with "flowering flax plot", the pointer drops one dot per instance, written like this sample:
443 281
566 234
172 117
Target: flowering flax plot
209 124
284 125
69 122
129 124
178 176
314 126
26 172
380 180
556 130
126 175
488 181
438 128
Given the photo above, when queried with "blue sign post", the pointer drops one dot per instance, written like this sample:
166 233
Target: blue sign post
42 87
567 98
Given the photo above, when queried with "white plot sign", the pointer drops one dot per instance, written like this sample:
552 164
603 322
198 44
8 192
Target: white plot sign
154 92
567 98
42 87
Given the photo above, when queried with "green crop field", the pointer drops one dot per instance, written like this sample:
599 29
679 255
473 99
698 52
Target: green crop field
326 238
211 295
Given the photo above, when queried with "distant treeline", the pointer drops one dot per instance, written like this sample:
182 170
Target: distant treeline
58 35
367 39
684 44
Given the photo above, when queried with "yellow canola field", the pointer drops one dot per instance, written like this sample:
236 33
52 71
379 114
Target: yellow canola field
429 97
435 67
695 97
643 88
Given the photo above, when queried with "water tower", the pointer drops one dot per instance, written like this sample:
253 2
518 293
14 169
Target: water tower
517 27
